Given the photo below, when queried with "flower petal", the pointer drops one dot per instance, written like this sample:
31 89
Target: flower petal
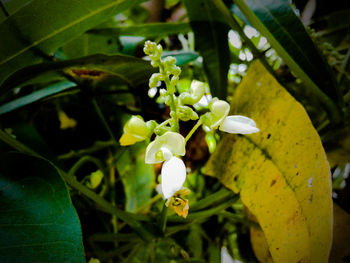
238 124
129 139
173 141
173 176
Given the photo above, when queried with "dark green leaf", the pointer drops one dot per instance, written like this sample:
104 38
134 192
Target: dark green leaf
90 44
38 222
276 20
145 30
120 68
41 26
35 96
138 178
182 57
211 32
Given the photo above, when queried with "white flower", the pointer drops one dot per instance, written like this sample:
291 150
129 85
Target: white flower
238 124
164 149
173 176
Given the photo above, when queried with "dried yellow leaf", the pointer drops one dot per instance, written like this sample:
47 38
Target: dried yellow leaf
281 172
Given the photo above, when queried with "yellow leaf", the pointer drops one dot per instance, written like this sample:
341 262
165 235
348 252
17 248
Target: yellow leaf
281 172
65 121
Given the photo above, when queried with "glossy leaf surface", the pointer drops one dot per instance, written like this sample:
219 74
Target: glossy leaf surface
281 172
211 41
145 30
41 26
122 69
35 96
37 222
276 20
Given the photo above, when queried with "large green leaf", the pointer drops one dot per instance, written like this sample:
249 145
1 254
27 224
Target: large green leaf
41 26
35 96
211 41
276 20
145 30
120 68
37 222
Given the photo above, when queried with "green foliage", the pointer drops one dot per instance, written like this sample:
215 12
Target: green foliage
73 72
38 222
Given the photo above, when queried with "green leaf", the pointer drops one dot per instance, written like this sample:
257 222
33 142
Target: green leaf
145 30
91 44
120 68
211 39
182 57
35 96
38 222
42 26
277 21
138 178
281 172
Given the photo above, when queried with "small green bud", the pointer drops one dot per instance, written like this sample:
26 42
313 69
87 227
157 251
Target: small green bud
186 113
135 130
154 80
194 94
169 61
176 71
95 179
174 80
219 110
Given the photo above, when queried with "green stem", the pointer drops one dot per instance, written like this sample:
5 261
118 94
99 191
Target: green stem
82 161
195 127
156 130
97 146
217 197
103 120
163 218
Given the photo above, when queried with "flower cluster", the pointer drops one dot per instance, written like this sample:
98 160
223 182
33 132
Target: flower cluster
169 144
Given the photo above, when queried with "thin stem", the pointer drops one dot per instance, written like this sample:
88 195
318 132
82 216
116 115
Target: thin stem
162 125
217 197
103 120
195 127
3 8
163 218
97 146
82 161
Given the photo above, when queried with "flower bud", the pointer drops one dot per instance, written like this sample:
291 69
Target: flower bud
194 94
219 109
135 130
186 113
154 80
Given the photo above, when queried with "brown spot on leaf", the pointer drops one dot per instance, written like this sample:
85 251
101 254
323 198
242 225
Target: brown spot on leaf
272 183
87 73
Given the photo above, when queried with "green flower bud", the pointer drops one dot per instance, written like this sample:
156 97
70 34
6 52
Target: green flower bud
219 109
135 130
169 61
174 80
194 94
154 79
186 113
